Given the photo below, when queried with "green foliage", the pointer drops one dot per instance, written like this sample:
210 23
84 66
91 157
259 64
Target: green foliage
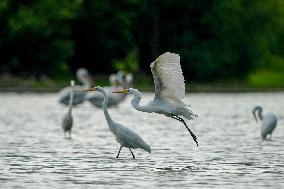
266 79
129 63
3 5
217 40
269 75
102 34
39 36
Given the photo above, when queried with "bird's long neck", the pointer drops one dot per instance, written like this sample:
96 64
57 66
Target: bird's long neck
104 106
257 112
86 81
136 103
71 100
260 115
87 84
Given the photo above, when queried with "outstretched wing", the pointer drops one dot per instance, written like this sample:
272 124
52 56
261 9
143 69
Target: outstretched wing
168 77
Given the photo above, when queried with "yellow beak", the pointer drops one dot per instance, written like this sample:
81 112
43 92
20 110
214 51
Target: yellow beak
121 91
91 89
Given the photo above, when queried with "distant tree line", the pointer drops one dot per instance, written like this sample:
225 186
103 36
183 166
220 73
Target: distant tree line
221 39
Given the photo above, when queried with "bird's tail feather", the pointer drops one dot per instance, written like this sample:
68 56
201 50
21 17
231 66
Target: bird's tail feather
147 148
188 114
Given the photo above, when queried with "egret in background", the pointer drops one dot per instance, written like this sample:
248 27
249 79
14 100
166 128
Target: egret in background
169 91
128 81
124 136
268 124
67 122
118 82
84 77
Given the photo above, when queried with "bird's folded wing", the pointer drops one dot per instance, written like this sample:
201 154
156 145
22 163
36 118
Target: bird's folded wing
129 137
168 77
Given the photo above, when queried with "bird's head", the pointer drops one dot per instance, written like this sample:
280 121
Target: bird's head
72 83
112 80
130 91
128 80
83 76
257 109
134 92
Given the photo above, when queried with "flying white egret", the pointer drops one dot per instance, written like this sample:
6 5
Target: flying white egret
79 96
124 136
169 91
117 83
268 124
67 122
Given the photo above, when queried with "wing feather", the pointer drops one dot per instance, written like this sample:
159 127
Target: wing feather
168 77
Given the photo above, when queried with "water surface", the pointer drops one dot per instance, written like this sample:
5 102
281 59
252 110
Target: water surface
34 154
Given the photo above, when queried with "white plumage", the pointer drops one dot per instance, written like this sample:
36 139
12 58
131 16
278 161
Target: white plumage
169 90
118 82
124 136
268 122
97 98
168 77
78 96
67 121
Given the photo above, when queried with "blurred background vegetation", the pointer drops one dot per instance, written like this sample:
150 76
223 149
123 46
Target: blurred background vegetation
226 42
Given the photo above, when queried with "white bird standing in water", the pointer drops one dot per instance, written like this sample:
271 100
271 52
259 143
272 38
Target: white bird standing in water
67 122
78 97
169 91
268 124
124 136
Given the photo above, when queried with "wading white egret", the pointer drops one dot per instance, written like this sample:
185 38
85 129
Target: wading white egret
169 91
268 122
118 82
124 136
67 122
84 77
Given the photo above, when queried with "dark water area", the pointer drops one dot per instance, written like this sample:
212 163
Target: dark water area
231 154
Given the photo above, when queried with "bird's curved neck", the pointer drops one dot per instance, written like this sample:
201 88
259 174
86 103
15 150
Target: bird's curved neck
136 103
260 115
87 84
257 113
71 99
104 106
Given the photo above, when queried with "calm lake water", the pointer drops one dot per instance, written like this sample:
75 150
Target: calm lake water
34 154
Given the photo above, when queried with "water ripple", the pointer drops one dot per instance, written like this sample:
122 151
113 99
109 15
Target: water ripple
33 153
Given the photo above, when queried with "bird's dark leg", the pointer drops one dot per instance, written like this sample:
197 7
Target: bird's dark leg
132 153
69 134
119 152
191 133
